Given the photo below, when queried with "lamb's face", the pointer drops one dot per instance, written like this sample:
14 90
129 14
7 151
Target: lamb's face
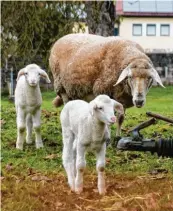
32 73
103 108
32 76
140 76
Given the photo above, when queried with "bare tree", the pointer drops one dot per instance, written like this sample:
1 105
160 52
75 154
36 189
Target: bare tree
100 17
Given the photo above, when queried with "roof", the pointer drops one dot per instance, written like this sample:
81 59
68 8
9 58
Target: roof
145 8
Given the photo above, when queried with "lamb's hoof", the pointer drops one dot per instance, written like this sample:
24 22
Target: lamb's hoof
102 192
39 145
29 141
19 146
79 189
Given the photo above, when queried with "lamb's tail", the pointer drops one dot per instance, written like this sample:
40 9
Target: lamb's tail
57 101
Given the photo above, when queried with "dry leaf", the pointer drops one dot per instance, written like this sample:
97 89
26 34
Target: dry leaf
9 167
52 156
41 178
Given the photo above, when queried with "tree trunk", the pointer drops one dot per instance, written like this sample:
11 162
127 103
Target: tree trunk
100 17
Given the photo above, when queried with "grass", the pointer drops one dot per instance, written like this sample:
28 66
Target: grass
35 180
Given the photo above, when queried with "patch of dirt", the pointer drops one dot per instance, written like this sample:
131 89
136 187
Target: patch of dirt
124 193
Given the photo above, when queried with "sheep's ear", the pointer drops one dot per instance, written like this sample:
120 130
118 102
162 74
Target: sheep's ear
44 75
92 106
156 77
118 107
20 73
123 75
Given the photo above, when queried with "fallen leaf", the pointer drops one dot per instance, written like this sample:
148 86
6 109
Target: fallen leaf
51 157
58 204
2 122
9 167
41 178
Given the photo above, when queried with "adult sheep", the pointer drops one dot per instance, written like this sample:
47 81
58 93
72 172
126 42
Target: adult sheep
85 65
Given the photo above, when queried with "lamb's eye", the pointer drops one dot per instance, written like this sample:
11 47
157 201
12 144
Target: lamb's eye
26 73
100 108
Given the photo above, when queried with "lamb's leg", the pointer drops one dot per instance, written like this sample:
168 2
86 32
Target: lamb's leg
37 128
120 119
21 125
80 166
100 169
29 129
68 156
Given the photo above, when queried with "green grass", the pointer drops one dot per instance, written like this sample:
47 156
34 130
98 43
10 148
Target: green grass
16 163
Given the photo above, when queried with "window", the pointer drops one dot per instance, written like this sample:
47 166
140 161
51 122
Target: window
164 29
151 29
137 29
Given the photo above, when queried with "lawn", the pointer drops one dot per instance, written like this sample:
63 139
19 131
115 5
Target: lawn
34 180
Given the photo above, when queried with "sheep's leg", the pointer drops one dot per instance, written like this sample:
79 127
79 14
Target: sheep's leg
29 129
100 169
68 156
120 119
65 98
21 125
37 128
80 166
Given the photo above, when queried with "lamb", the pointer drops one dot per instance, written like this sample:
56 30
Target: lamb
28 101
85 65
85 126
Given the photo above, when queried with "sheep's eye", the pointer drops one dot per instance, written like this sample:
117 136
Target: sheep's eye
100 108
26 73
39 74
130 77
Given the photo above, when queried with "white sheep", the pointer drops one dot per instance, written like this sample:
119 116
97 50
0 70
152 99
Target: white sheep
28 101
86 126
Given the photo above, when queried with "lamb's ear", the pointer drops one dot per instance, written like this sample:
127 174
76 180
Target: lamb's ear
156 77
92 107
20 73
123 75
44 75
118 107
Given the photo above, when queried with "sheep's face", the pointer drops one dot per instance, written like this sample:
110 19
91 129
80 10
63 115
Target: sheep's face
139 80
32 74
103 109
140 76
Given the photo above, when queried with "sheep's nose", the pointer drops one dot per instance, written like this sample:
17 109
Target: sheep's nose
139 103
113 119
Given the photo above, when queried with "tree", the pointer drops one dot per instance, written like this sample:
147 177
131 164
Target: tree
100 17
29 28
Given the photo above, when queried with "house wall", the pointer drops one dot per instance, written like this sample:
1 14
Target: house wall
155 43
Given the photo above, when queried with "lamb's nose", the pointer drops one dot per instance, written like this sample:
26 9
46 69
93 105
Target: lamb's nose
33 81
113 119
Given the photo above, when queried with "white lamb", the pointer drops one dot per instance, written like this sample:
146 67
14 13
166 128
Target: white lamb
86 126
28 101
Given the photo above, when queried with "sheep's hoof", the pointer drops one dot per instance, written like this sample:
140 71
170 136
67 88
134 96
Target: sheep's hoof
19 146
39 145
